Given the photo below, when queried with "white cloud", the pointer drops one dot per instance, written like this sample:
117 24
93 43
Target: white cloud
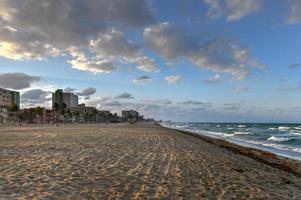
238 9
142 80
94 66
215 8
232 10
145 64
16 80
34 29
173 79
214 79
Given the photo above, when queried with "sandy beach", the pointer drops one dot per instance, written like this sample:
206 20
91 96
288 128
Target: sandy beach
141 161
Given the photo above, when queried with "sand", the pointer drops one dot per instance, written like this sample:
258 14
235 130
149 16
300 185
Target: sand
142 161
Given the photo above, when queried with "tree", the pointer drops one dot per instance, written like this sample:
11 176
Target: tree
13 108
56 106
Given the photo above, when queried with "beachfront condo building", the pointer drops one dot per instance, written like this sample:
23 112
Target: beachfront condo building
83 109
71 101
9 97
59 99
130 114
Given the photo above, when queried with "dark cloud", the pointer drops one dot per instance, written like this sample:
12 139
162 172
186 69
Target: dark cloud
294 11
196 103
88 91
17 81
218 55
36 97
124 96
293 66
142 80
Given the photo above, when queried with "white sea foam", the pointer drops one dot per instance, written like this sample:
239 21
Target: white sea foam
273 129
278 139
295 133
283 128
242 126
241 133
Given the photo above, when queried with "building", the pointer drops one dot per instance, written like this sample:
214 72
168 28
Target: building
9 97
71 101
83 109
130 114
59 99
16 98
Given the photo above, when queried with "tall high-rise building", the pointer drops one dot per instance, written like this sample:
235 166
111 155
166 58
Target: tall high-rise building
59 98
71 101
9 97
16 98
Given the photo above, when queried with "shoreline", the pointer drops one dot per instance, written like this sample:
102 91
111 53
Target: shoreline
137 161
277 161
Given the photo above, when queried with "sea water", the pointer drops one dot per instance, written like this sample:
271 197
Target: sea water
281 139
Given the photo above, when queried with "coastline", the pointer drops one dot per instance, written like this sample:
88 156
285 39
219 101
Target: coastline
136 161
280 162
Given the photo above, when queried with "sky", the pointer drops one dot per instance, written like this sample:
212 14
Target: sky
179 60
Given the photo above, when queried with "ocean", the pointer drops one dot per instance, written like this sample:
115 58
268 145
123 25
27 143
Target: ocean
281 139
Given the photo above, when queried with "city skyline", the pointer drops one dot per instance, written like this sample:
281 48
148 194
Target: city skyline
206 60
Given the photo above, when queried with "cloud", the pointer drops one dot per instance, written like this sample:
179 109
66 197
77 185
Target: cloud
145 64
94 66
293 66
218 55
215 8
168 40
17 81
294 11
196 103
114 44
242 89
69 90
213 80
34 29
124 96
174 79
142 80
35 97
238 9
231 106
88 91
232 10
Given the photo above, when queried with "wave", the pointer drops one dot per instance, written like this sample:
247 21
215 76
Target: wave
295 133
279 139
283 128
273 129
242 133
242 126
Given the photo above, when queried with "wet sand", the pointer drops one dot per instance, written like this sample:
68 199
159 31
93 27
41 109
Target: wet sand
142 161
